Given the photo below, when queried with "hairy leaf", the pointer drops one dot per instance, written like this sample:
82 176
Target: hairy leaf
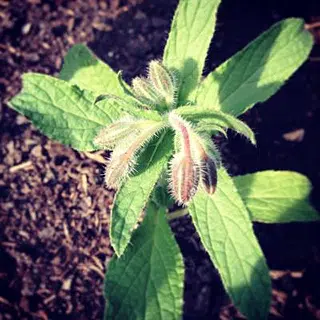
258 71
147 281
225 229
83 68
133 195
186 49
276 196
63 111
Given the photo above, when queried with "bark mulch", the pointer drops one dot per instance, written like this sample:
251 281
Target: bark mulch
54 208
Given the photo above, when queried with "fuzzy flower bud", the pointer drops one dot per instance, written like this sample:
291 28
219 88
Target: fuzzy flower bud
109 136
144 90
184 178
163 82
209 174
208 159
123 158
198 150
184 171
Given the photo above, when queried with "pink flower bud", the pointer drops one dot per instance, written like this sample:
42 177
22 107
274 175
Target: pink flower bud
184 178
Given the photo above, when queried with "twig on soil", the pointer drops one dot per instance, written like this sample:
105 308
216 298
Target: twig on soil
96 157
22 166
4 301
84 183
314 25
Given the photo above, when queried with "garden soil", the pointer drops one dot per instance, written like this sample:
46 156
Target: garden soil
54 207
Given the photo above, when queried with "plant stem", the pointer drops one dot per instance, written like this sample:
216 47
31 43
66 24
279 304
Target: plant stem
177 214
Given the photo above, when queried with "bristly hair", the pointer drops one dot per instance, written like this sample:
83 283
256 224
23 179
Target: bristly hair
183 178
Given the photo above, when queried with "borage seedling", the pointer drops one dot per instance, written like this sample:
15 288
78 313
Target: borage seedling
160 129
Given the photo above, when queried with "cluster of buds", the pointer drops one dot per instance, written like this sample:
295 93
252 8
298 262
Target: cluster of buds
159 89
194 162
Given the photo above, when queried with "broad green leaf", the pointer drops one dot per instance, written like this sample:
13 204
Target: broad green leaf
189 39
146 283
226 232
211 119
276 196
83 68
259 70
135 192
63 111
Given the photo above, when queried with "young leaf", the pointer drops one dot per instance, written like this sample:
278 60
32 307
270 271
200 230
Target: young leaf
258 71
209 117
276 196
63 111
211 128
147 281
135 193
83 68
186 49
225 229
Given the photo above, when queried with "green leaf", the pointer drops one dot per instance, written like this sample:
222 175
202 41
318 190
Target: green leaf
225 229
276 196
211 128
147 281
259 70
63 111
211 119
135 192
186 49
83 68
128 107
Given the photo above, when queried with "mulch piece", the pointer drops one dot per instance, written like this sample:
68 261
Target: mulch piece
54 208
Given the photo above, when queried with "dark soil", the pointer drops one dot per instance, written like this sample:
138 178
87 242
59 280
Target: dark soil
53 205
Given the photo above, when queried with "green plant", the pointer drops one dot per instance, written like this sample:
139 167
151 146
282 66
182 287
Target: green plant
160 132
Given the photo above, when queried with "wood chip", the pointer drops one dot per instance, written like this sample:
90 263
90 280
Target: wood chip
84 183
22 166
294 136
96 157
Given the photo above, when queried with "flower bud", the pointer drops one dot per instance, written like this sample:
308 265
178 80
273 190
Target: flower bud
163 82
111 135
143 89
209 174
184 178
118 168
208 158
123 158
